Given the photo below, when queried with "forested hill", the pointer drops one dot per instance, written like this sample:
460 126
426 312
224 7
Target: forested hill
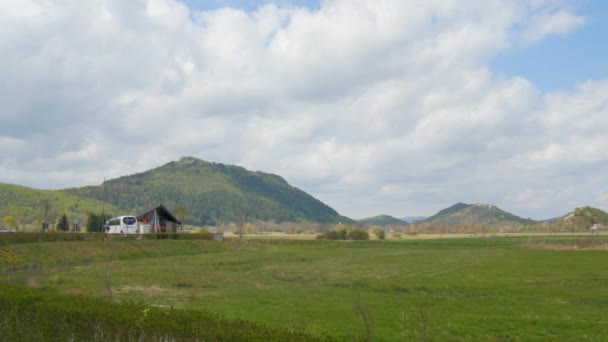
585 217
212 193
29 205
462 213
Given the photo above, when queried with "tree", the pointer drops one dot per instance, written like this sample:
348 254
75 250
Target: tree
240 223
10 222
63 223
181 212
357 234
94 222
338 234
379 233
36 224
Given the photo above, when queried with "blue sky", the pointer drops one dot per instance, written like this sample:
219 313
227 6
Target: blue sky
248 5
562 62
554 64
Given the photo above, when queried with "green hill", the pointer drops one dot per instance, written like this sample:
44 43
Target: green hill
212 193
383 220
586 217
27 205
487 214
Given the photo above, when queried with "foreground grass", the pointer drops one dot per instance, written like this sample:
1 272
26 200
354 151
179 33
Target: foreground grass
29 315
443 289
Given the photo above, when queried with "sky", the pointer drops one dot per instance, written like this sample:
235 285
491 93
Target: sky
372 106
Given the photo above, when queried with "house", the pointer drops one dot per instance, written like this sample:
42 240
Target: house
158 220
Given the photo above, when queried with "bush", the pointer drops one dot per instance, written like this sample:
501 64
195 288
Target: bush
334 235
71 236
379 233
62 223
357 234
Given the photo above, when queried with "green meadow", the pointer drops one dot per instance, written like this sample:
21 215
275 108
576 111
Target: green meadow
487 288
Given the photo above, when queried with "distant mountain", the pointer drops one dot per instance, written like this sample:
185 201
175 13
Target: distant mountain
383 220
585 217
462 213
410 219
212 193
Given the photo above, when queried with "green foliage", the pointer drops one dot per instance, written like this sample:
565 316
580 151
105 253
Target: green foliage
357 234
344 233
380 234
214 193
63 223
338 234
590 216
203 193
95 222
10 222
181 212
579 220
26 204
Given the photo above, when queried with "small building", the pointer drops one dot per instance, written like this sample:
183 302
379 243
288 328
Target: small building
158 220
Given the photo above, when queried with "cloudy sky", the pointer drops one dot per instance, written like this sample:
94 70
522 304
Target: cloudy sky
373 106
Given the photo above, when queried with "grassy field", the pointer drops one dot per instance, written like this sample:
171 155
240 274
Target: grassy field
499 288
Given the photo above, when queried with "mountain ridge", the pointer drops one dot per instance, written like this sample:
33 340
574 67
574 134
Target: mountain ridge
488 214
213 193
383 220
587 216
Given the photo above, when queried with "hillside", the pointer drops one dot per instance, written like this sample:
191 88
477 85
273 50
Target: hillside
585 217
383 220
212 193
27 204
462 213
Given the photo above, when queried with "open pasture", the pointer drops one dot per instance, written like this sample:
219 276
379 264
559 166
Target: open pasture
503 288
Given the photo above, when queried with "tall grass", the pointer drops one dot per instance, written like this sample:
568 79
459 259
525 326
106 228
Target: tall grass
32 315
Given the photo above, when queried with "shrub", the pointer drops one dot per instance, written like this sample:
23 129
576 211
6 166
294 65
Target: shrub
339 234
357 234
62 223
379 233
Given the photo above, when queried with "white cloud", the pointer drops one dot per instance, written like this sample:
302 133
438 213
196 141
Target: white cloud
373 106
550 23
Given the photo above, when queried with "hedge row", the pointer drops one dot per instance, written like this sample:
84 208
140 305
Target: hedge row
69 236
33 315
